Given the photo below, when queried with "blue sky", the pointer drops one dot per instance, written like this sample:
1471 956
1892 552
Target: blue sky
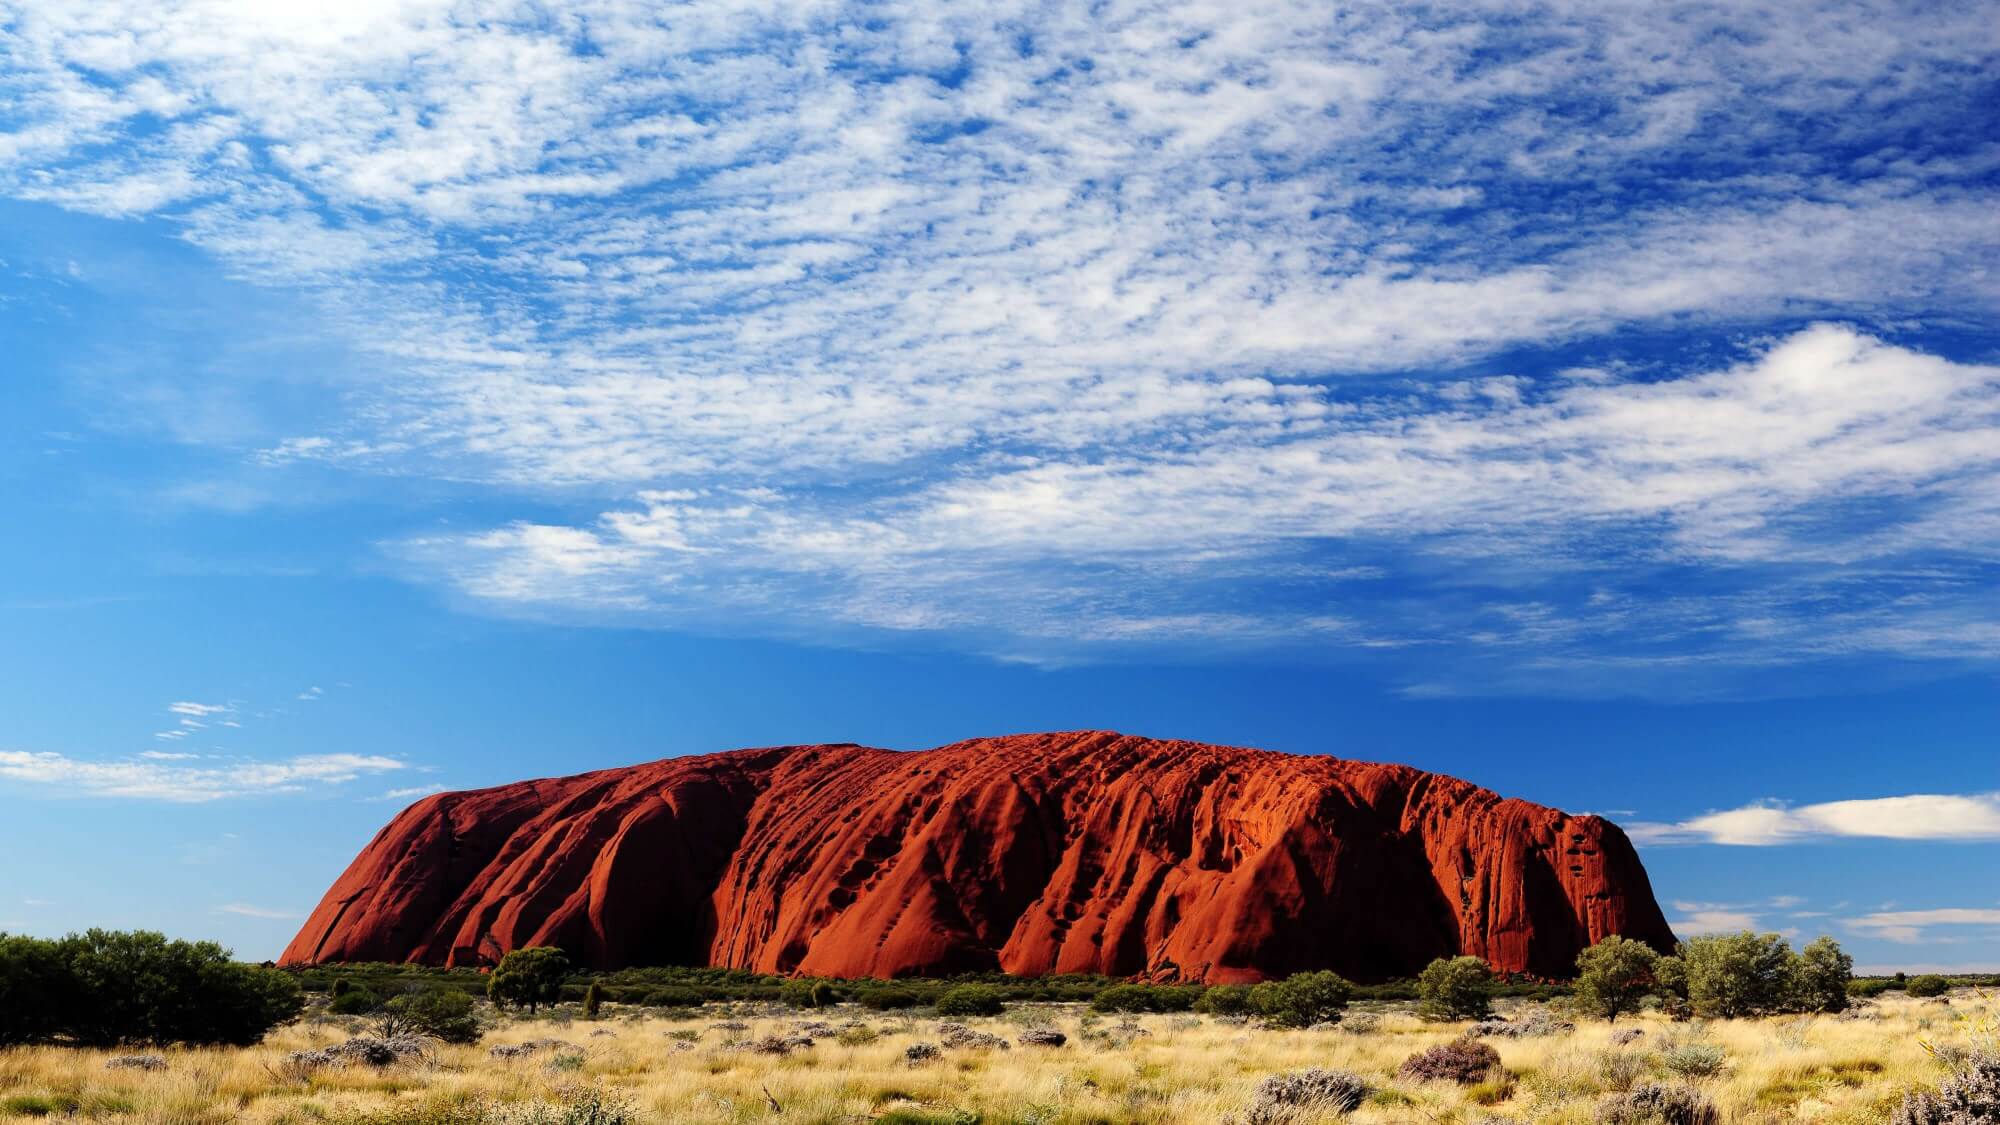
1599 402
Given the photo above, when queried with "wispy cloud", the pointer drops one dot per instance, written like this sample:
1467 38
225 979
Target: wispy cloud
244 910
1694 919
1142 322
1924 816
409 793
177 781
1912 926
1753 470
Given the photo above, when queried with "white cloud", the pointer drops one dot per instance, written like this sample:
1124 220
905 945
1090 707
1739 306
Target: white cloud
410 793
171 781
310 694
1911 926
1090 309
200 710
1695 918
1938 817
1757 464
245 910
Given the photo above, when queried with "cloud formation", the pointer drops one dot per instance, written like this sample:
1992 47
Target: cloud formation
245 910
1047 328
1913 926
178 781
1939 817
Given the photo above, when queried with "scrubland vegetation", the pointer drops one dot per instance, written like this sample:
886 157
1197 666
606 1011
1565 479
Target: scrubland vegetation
1798 1048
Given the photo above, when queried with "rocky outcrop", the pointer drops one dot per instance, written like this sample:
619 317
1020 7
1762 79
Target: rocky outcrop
1074 852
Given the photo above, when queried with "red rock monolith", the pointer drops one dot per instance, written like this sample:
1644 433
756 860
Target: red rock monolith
1073 852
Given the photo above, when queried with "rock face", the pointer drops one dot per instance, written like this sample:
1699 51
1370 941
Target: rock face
1075 852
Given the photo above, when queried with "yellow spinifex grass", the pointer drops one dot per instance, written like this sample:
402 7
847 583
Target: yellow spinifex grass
1186 1069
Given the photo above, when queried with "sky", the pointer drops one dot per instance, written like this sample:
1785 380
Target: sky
1597 401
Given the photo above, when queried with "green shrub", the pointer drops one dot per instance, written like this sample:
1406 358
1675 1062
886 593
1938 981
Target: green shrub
1302 999
1868 989
1224 1000
105 987
593 1000
809 993
1693 1060
1613 975
1928 985
1455 988
970 1000
444 1013
887 998
354 1002
528 978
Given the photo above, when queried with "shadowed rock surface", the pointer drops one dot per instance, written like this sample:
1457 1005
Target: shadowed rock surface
1074 852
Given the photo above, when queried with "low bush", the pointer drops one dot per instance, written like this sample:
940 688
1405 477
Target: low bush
1928 985
970 1000
888 998
807 992
1654 1104
1464 1061
1692 1060
442 1013
1224 1000
1302 999
354 1002
1969 1097
1284 1097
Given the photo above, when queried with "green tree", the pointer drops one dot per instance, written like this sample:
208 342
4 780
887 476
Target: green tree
105 987
1302 999
1455 988
1731 975
528 978
593 1000
1670 977
35 989
1612 975
1819 977
970 1000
